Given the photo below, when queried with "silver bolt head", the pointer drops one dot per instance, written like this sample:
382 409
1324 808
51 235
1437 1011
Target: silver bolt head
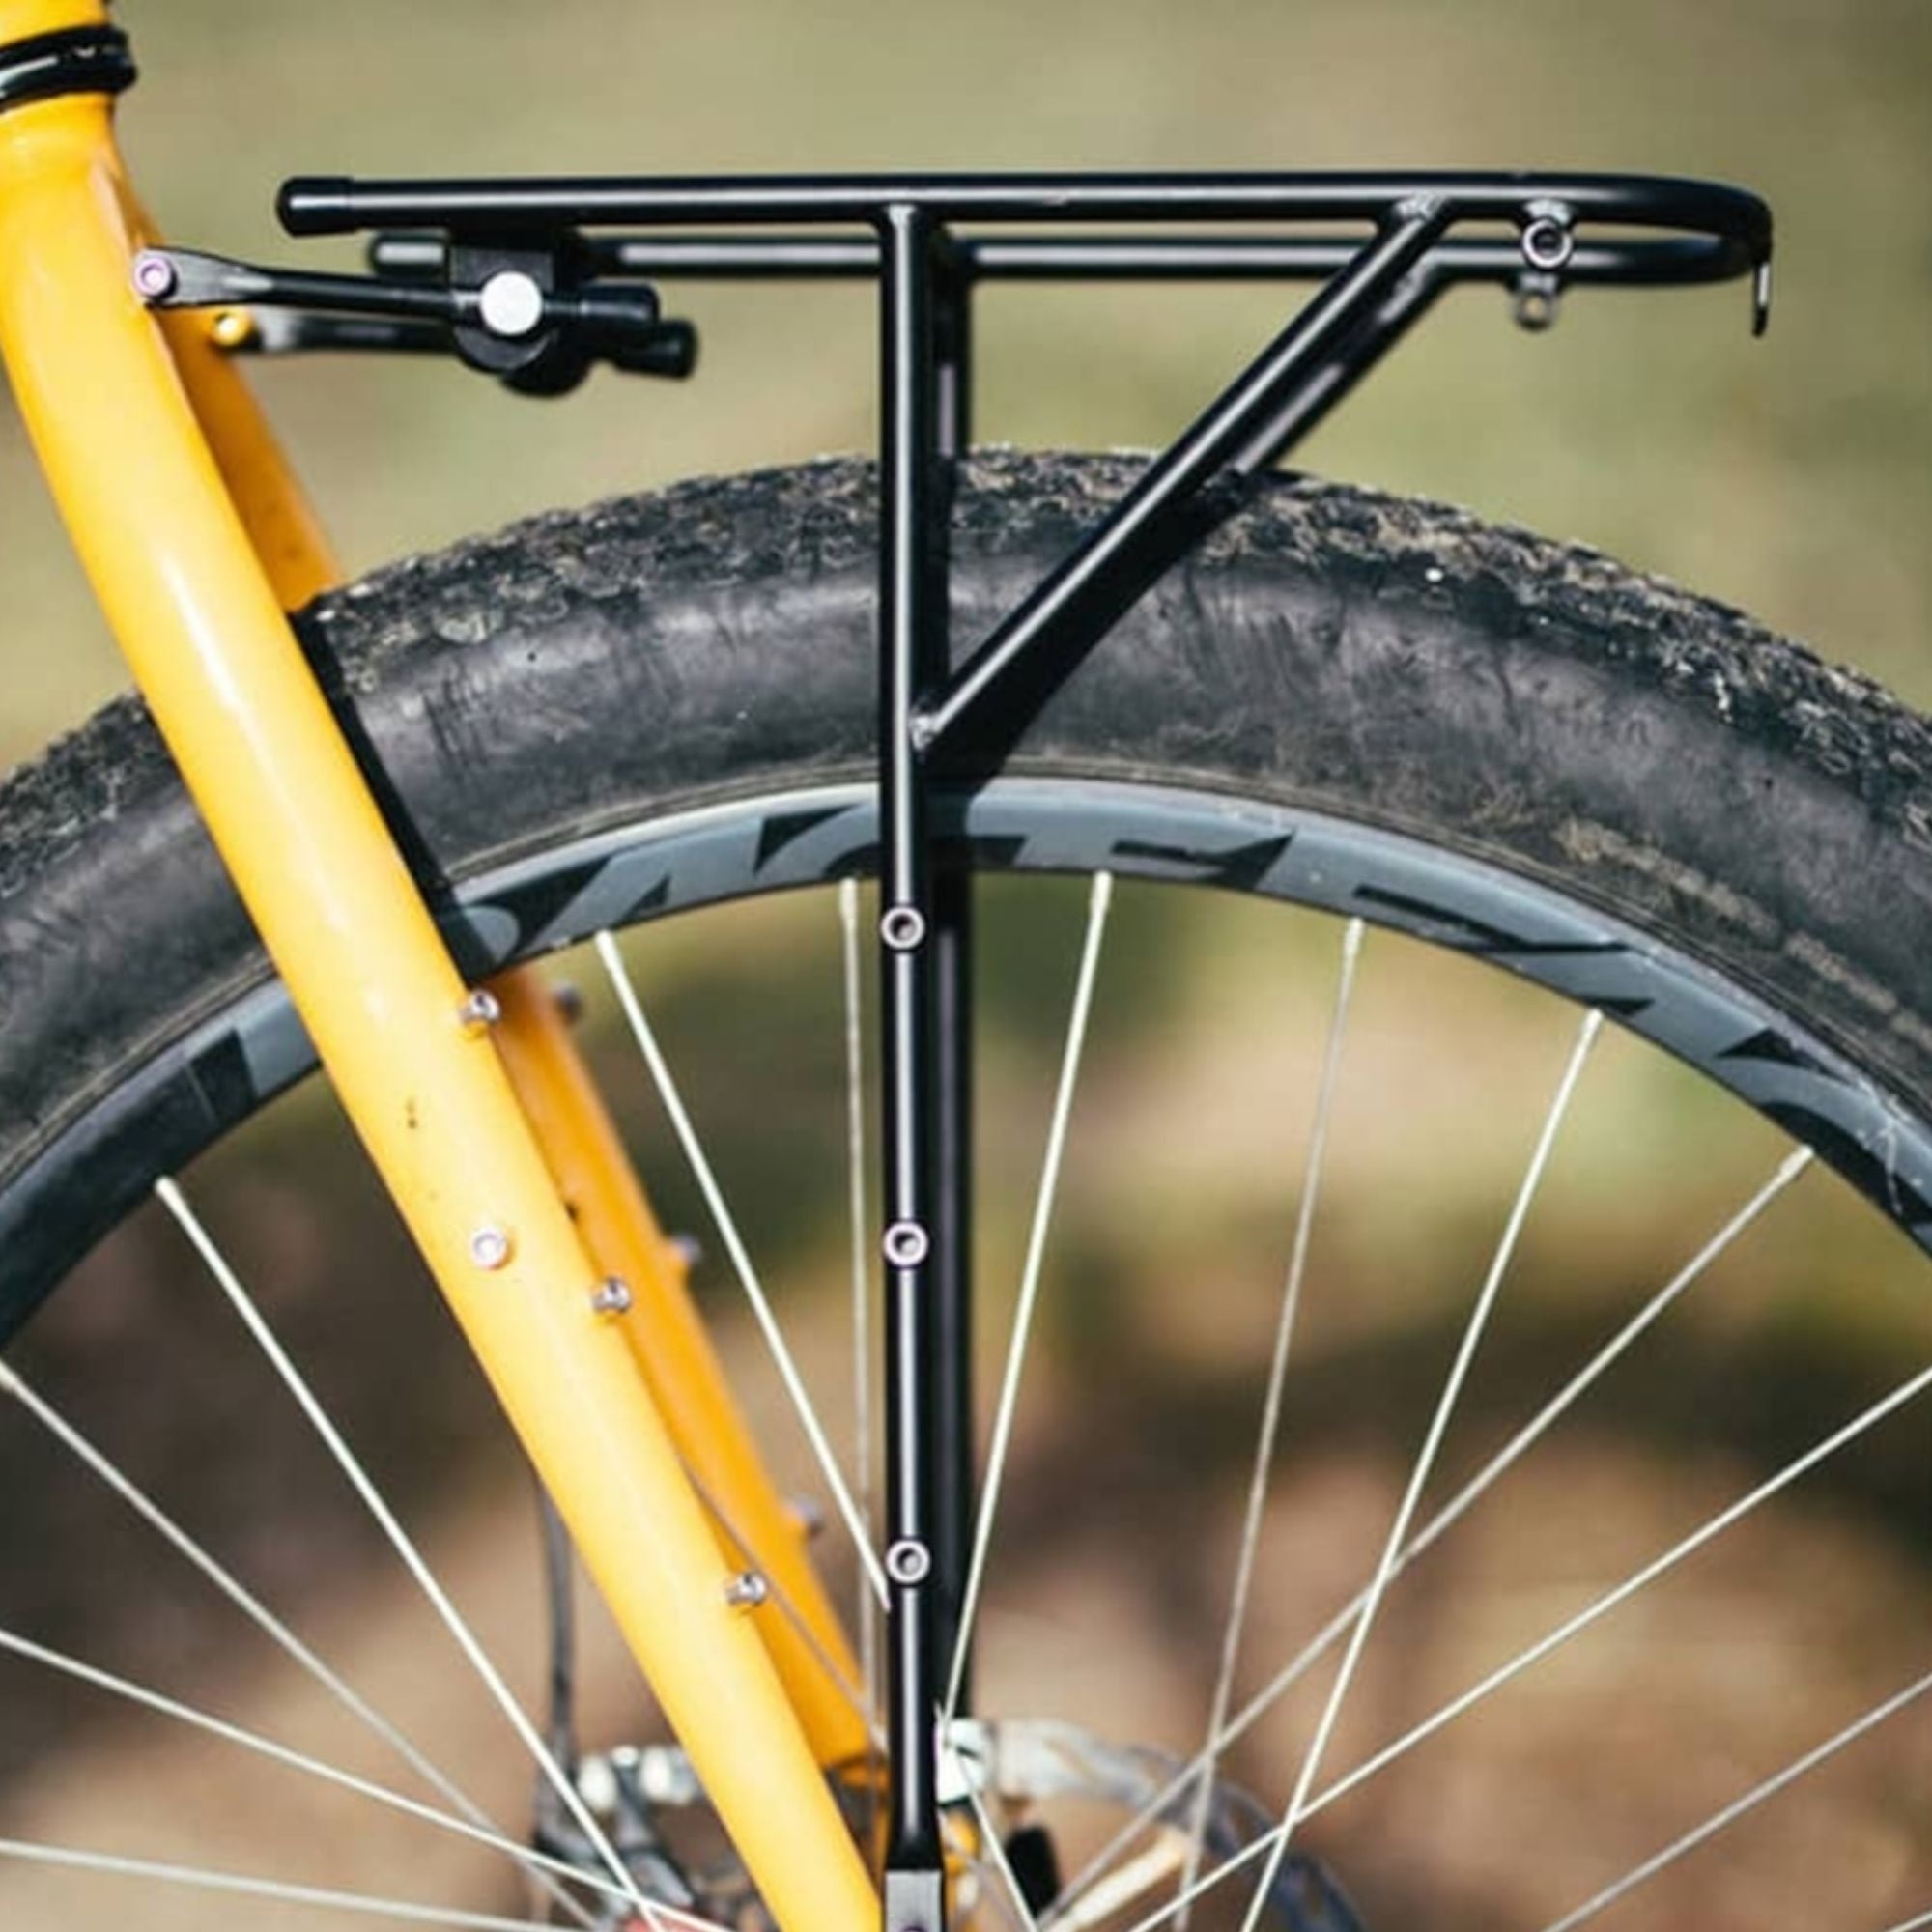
489 1246
901 927
905 1244
510 303
908 1562
1547 241
479 1010
154 274
747 1590
611 1296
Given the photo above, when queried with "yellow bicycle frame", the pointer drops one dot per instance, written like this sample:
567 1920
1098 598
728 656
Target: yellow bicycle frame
489 1139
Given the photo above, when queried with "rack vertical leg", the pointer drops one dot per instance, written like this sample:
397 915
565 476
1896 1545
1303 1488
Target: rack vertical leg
910 613
953 893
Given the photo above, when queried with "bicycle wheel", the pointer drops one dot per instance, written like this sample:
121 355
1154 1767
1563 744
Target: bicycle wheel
1382 712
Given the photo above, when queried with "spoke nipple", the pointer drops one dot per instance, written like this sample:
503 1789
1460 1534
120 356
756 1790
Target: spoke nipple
154 274
802 1510
688 1248
479 1011
905 1244
611 1296
567 997
747 1590
903 927
489 1246
908 1562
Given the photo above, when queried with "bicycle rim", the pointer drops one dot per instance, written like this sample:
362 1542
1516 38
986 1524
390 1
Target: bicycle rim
1764 1057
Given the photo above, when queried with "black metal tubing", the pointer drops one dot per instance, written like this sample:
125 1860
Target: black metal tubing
1027 258
1355 353
339 205
199 280
69 60
1067 614
1099 258
925 915
908 624
951 1288
1398 256
954 1444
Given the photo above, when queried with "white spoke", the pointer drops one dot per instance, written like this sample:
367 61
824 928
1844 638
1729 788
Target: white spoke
1749 1801
1099 897
1119 1890
862 1280
1918 1925
1425 1462
204 1879
534 1863
740 1260
1258 1481
1291 1674
90 1458
411 1558
1255 1849
1624 1591
1565 1399
782 1601
990 1842
1272 1841
990 1838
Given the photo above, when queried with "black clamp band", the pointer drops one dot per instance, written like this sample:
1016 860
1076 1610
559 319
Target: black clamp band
77 60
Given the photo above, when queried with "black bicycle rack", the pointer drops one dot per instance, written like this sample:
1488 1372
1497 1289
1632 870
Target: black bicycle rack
509 275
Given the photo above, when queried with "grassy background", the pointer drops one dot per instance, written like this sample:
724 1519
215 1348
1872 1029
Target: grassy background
1792 476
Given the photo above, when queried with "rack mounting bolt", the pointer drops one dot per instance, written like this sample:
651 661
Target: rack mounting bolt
747 1590
908 1562
1548 239
489 1246
901 927
905 1244
154 275
479 1011
611 1296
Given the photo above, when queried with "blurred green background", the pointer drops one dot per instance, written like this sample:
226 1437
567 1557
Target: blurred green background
1792 476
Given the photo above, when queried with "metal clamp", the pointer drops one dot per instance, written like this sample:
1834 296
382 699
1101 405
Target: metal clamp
76 59
513 313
